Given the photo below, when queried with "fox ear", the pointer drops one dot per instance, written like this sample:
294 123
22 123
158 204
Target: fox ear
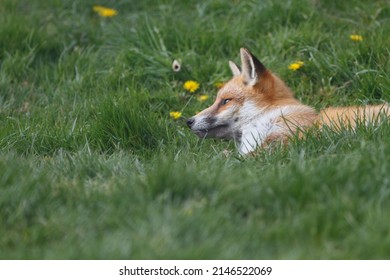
252 68
235 69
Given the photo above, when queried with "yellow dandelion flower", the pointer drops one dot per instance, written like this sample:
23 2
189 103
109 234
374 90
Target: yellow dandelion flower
296 65
219 84
175 115
105 12
356 38
203 97
191 86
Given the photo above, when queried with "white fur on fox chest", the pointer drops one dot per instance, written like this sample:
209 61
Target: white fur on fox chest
258 125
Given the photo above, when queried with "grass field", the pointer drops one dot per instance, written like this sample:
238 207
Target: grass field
92 166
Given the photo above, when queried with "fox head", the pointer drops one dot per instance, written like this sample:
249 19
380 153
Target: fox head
252 90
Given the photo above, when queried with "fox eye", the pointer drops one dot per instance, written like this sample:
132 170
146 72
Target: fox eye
225 101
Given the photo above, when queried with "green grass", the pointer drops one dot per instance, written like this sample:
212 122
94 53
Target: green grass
92 166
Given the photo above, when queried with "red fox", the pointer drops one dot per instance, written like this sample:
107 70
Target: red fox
256 108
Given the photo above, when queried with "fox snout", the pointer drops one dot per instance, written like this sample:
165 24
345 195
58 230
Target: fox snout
211 127
200 126
190 122
199 130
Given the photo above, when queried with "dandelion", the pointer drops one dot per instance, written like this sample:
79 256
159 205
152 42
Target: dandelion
356 38
175 115
176 66
218 84
203 97
191 86
105 12
296 65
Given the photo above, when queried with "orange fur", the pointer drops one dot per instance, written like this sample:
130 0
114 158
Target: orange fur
256 108
348 117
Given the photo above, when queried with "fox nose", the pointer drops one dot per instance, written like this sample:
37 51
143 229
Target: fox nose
190 122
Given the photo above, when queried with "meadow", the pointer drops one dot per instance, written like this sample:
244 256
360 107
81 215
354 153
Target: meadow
93 166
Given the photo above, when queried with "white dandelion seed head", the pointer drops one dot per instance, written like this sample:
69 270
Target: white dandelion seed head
176 66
